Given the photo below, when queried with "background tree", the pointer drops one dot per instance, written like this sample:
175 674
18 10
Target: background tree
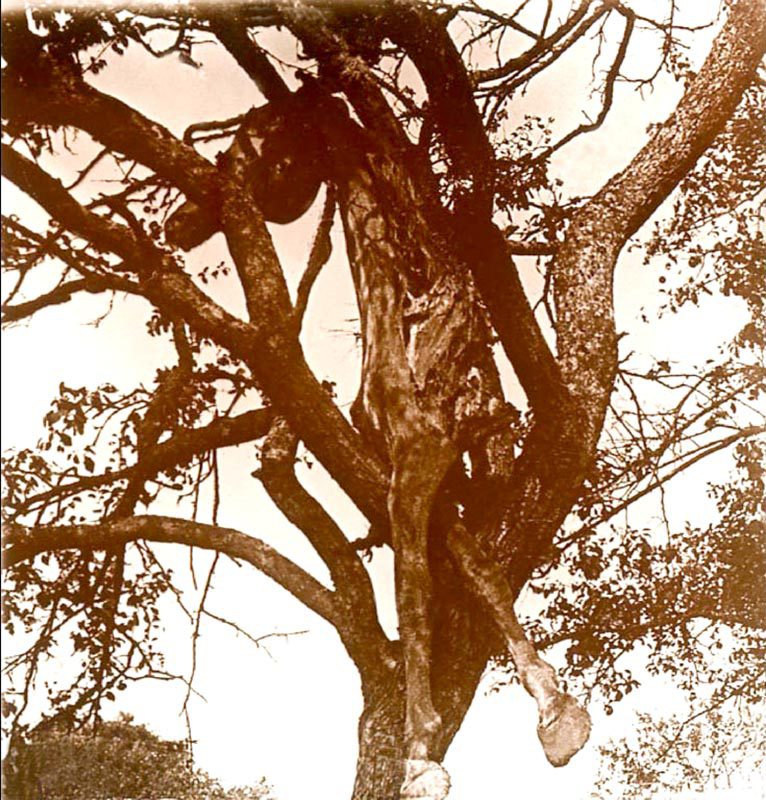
406 114
118 759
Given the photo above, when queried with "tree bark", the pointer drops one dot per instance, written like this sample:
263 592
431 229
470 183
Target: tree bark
382 746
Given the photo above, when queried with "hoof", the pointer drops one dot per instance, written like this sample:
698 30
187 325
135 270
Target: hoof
426 780
566 733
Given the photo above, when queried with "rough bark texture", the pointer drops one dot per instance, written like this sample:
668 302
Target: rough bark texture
434 286
382 749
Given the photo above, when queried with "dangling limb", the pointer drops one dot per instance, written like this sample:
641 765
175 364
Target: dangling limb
564 726
419 466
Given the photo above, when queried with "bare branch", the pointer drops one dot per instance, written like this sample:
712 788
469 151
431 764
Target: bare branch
63 98
50 194
609 82
178 449
23 544
321 249
352 583
542 46
61 294
703 452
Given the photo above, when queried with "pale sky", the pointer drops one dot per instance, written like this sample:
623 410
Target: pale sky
291 716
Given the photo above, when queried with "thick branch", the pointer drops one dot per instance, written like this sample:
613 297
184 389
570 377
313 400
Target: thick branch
585 262
549 474
102 233
485 250
352 583
708 103
52 93
268 344
426 41
23 544
232 33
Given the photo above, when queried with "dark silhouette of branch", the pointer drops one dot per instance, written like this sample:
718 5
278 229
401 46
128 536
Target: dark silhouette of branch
233 35
351 581
61 294
609 83
48 192
543 46
703 452
23 544
60 97
321 249
180 448
482 246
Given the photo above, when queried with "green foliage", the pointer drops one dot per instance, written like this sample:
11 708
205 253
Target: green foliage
117 760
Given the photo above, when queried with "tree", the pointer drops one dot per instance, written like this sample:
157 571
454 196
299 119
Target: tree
440 191
118 759
673 756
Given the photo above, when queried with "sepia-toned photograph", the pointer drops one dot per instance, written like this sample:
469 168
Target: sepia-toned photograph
383 399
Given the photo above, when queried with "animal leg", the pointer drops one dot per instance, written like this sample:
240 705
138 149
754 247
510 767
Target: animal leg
417 474
563 725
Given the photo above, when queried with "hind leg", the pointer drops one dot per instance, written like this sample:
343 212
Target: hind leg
563 725
415 481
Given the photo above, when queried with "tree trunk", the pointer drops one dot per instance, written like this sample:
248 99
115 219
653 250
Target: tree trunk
380 766
464 638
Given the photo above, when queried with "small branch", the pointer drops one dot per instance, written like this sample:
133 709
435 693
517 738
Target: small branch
321 249
611 79
715 704
541 47
61 294
182 446
195 632
352 583
705 451
88 167
221 126
256 640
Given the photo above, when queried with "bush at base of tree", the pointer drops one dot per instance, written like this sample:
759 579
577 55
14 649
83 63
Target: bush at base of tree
117 760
